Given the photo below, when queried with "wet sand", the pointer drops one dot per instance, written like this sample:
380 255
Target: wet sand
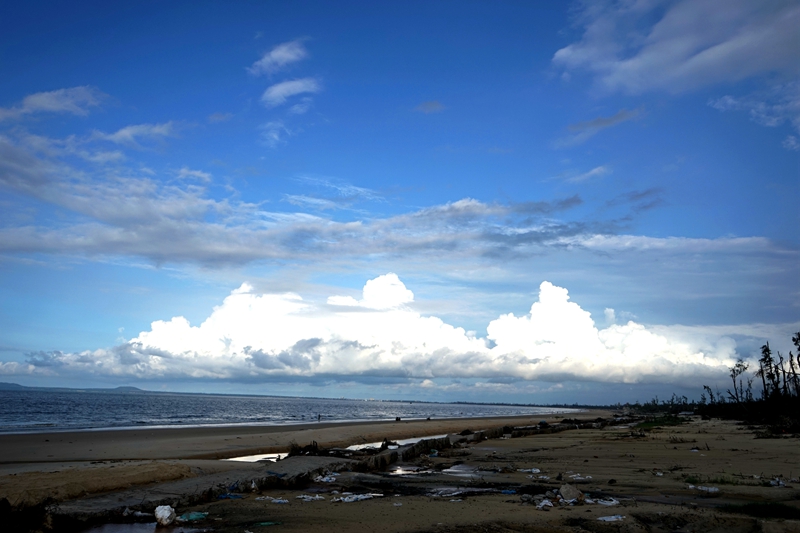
653 476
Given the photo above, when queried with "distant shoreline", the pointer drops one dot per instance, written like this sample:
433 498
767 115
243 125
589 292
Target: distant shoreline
11 387
303 424
230 441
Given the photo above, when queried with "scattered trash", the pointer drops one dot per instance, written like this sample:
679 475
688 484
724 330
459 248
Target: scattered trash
279 500
356 498
192 517
777 482
612 518
544 503
397 504
309 498
230 496
509 491
253 486
330 478
607 501
708 489
456 501
531 470
165 515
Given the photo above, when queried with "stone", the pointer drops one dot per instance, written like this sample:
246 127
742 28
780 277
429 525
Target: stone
568 492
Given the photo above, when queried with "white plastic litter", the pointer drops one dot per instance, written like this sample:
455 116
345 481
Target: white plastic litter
544 503
356 498
531 470
279 500
457 500
612 518
325 479
165 515
707 489
309 498
607 501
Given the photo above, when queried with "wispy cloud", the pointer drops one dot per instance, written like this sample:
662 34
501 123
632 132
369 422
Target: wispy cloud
75 101
432 106
219 117
274 133
282 55
277 94
596 172
187 173
588 129
634 47
132 135
301 107
771 108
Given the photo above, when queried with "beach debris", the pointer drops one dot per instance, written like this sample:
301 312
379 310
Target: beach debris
355 497
194 516
273 500
397 504
508 491
530 470
612 518
253 486
329 477
230 496
710 490
266 524
607 501
309 498
457 500
544 505
165 515
777 482
568 492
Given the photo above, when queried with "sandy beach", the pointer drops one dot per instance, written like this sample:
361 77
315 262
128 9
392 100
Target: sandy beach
671 478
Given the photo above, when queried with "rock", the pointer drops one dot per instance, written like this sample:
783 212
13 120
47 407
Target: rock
550 494
568 492
165 515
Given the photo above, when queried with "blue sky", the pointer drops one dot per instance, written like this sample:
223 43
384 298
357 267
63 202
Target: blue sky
455 200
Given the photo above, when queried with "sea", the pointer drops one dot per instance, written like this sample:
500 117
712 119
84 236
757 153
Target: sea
24 411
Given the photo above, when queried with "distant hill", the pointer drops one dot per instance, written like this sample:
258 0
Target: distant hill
11 386
16 387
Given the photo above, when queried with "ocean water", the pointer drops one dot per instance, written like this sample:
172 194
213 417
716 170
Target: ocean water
37 411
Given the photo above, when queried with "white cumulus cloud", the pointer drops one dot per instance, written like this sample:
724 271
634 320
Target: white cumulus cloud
253 335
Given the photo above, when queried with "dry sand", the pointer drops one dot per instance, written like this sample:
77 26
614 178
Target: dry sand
652 476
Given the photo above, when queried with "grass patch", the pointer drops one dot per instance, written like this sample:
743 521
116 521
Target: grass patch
661 421
764 510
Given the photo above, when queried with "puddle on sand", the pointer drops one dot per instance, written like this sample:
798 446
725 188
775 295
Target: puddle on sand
408 471
461 470
149 527
270 457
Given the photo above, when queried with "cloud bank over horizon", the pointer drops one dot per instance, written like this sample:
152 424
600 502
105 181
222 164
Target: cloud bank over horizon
253 336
